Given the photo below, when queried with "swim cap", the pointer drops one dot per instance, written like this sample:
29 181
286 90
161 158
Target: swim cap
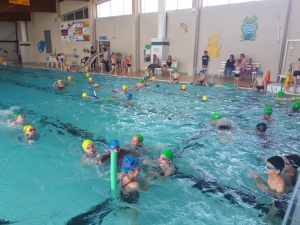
108 99
168 153
128 96
86 68
260 72
130 163
27 128
96 85
113 144
16 114
277 162
69 77
268 110
84 95
124 87
175 69
153 78
183 87
129 54
296 105
201 71
59 81
86 143
90 79
69 63
157 85
140 137
261 127
204 98
294 159
216 116
146 68
141 80
280 94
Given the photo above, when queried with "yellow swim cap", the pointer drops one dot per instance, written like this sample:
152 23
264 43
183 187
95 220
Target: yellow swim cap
86 68
59 81
124 87
183 87
96 85
204 98
293 99
69 77
27 128
146 68
90 79
153 78
86 143
87 74
84 95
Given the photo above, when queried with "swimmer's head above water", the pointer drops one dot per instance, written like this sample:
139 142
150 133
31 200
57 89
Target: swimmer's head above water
69 78
166 157
91 80
113 145
296 106
183 88
128 96
141 80
20 117
216 116
124 88
268 110
137 140
280 94
88 146
29 129
261 127
96 85
84 95
130 163
277 162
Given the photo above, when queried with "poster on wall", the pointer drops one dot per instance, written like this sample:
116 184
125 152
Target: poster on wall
75 31
249 28
213 49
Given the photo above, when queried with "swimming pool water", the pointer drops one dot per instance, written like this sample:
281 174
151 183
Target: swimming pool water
45 183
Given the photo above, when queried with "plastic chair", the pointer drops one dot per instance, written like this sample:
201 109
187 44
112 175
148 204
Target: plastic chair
84 60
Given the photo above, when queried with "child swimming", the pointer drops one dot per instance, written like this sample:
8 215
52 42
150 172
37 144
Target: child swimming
114 145
275 182
19 118
164 163
90 155
292 163
129 98
137 143
267 113
224 126
30 134
97 85
85 95
59 85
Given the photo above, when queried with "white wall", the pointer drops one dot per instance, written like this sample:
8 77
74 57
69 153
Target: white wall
228 24
70 6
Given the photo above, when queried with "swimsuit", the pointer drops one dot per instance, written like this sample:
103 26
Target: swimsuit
296 73
128 65
236 75
131 197
260 88
224 127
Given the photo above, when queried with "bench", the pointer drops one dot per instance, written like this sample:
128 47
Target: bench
162 63
256 67
51 60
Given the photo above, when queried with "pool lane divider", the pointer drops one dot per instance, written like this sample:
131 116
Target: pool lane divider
113 172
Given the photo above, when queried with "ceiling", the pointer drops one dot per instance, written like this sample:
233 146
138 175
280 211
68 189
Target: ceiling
12 12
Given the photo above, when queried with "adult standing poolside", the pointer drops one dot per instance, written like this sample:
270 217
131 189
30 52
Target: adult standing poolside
229 67
93 51
105 55
156 63
296 69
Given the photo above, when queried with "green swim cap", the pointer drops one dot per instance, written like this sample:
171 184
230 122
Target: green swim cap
268 110
140 137
296 105
108 99
141 80
280 94
16 114
216 116
175 69
168 153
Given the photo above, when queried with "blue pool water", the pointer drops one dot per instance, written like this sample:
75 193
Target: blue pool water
45 183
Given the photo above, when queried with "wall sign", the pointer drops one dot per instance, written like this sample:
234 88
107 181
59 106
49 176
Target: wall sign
20 2
75 31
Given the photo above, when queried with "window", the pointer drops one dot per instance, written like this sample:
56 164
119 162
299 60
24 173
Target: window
149 6
114 8
179 4
77 15
223 2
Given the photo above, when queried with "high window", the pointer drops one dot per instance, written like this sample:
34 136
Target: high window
114 8
224 2
149 6
77 15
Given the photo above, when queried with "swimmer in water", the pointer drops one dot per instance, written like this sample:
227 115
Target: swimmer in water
267 113
97 85
275 183
19 118
90 155
30 134
164 163
280 97
292 162
224 126
295 110
70 81
153 79
114 145
141 83
129 98
91 81
137 143
59 84
261 134
85 95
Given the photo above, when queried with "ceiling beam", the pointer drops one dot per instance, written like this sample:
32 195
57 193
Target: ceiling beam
75 0
15 16
35 6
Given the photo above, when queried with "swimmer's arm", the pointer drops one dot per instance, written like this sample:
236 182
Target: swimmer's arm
132 152
257 177
54 84
167 173
150 162
102 159
13 123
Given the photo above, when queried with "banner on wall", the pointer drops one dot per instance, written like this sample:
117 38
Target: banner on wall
20 2
75 31
249 28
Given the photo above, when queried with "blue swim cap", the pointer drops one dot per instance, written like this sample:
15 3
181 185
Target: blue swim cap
260 72
128 95
130 163
113 144
157 85
201 71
